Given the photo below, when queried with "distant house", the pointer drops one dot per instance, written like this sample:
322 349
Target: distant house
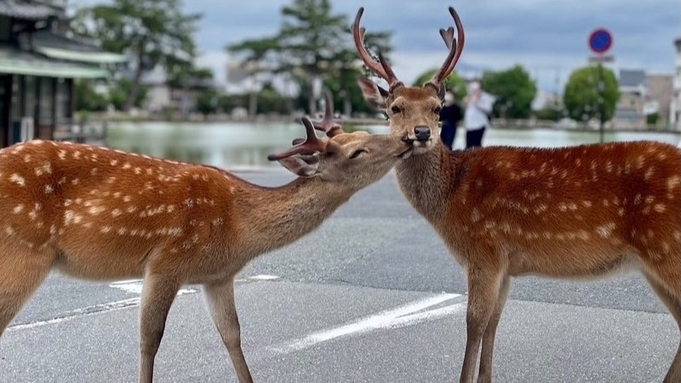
675 113
38 64
660 93
162 96
633 90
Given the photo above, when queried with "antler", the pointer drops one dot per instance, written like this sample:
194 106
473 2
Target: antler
455 46
311 145
380 67
327 125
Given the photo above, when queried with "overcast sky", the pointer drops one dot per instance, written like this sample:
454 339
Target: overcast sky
548 37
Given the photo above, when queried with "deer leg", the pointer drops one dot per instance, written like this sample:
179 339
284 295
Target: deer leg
673 304
220 299
485 372
158 293
483 292
20 275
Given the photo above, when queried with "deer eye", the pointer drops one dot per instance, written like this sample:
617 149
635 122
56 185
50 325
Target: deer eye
357 153
396 109
437 110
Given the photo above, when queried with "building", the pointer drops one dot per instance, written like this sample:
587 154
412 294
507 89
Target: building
38 64
660 92
633 91
675 113
162 95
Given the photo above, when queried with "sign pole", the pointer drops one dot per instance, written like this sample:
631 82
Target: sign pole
600 41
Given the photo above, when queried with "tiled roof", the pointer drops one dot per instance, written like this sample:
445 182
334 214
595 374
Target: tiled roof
28 11
15 61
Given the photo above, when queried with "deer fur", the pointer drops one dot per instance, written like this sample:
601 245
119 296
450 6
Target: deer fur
101 214
574 212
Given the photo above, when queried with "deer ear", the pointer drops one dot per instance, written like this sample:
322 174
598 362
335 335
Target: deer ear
441 92
299 167
373 94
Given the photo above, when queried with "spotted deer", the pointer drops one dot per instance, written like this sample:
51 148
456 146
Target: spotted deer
571 212
101 214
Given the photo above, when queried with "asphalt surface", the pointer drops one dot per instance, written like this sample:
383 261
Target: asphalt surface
372 296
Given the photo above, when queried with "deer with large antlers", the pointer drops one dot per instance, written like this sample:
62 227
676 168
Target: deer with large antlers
101 214
572 212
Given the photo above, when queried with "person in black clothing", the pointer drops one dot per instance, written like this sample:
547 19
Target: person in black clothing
450 115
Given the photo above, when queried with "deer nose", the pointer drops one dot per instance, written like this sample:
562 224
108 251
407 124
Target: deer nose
422 133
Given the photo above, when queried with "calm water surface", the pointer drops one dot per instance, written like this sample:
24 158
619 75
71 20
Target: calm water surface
231 145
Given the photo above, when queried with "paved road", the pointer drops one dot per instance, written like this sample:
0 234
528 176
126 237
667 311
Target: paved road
372 296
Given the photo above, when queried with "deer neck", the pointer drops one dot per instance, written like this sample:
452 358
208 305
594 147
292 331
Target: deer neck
427 180
274 217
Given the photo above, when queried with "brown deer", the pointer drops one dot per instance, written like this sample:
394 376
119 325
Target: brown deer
572 212
101 214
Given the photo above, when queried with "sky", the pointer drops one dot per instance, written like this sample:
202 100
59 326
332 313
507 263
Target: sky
548 37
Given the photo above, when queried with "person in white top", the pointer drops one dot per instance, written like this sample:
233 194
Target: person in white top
478 107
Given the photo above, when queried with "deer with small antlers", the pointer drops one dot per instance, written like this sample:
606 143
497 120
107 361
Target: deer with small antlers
572 212
101 214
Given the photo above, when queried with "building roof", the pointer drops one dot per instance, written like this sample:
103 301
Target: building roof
629 77
15 61
64 48
28 11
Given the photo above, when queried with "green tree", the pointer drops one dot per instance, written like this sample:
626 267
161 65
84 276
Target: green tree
514 89
581 94
119 94
453 82
86 99
207 102
156 32
312 43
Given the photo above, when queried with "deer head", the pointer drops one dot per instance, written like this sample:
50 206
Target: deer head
413 111
351 159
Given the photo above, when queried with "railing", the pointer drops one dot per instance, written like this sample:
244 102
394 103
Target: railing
91 132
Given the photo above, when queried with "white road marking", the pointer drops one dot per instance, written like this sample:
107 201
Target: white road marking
402 316
264 277
89 310
134 286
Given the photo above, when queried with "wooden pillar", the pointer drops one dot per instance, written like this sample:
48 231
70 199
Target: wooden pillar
6 118
72 100
55 104
36 109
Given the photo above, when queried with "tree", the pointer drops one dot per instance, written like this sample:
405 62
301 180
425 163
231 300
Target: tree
120 92
514 90
156 32
581 94
453 82
86 99
312 45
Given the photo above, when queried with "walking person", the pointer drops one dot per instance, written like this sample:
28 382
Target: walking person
450 115
476 118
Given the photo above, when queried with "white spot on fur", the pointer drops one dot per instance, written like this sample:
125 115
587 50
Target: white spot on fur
606 230
48 189
94 210
475 215
17 209
19 180
116 212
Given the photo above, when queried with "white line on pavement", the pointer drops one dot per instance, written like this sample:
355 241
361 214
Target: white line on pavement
135 286
89 310
401 316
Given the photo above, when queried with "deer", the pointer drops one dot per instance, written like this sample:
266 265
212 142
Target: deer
579 212
95 213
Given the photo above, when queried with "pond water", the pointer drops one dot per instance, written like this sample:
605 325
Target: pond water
232 144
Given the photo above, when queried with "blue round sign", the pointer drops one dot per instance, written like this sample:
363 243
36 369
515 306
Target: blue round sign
600 40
